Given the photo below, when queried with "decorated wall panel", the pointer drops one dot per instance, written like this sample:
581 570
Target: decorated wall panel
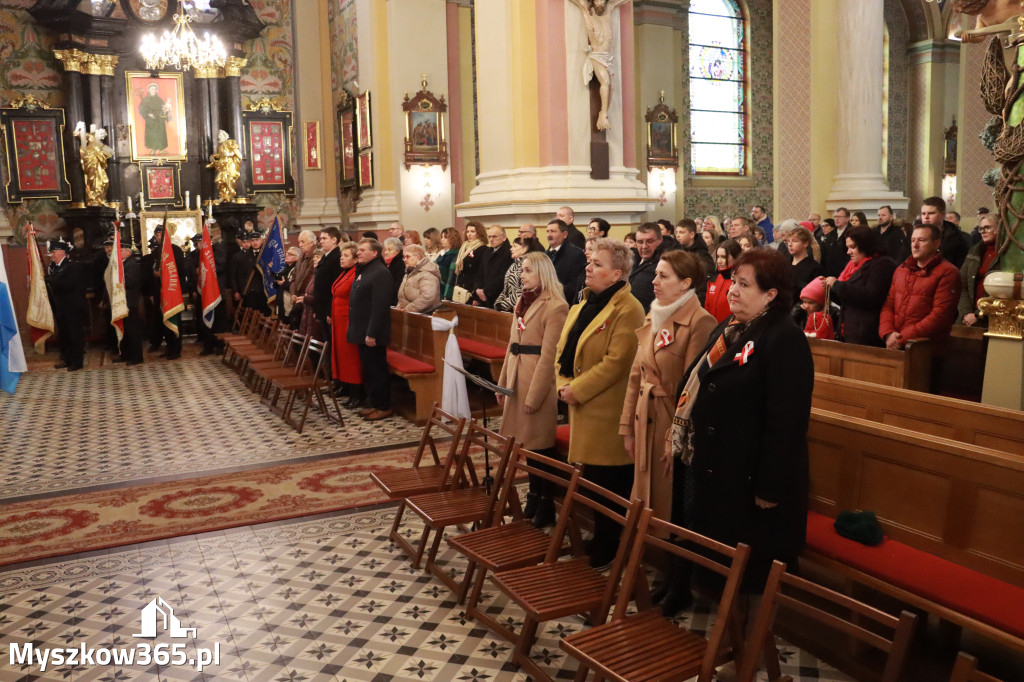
344 66
270 72
899 96
731 200
27 67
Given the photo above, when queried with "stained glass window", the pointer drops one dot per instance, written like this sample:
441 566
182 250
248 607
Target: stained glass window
718 94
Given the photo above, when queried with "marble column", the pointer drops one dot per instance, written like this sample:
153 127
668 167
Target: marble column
859 183
75 112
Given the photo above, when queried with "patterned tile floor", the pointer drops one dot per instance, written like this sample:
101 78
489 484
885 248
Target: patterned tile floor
112 424
328 598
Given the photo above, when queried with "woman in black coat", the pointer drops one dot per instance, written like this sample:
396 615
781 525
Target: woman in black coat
862 287
749 484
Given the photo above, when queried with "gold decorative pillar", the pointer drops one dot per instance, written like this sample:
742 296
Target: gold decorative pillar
1004 361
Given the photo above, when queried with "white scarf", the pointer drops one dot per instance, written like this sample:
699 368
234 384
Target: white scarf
660 314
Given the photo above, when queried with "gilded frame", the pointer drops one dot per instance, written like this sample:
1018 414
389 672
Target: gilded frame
348 168
269 132
169 85
365 169
364 135
662 142
181 225
46 137
425 138
311 145
148 171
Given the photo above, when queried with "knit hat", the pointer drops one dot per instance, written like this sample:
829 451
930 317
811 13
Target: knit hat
814 291
807 224
859 526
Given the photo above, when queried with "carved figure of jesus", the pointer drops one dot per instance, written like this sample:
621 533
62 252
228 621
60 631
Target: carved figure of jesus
597 16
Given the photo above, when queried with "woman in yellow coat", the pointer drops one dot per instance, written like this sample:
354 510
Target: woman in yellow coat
675 331
595 353
531 412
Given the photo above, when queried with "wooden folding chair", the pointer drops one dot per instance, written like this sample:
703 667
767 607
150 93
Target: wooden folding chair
420 478
238 325
245 333
293 364
459 504
807 598
262 330
309 387
555 589
267 359
966 670
512 544
648 646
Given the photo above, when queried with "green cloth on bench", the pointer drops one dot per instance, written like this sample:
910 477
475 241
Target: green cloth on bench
860 526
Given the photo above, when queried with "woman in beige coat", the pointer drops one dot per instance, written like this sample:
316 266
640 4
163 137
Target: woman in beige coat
420 290
595 353
675 331
531 412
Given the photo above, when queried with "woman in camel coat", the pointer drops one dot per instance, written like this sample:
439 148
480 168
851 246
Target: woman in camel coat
420 289
595 353
531 412
673 333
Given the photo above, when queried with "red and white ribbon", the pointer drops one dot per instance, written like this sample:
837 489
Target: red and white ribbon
520 324
664 338
744 354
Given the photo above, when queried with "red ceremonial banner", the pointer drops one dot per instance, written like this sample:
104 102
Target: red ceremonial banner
171 300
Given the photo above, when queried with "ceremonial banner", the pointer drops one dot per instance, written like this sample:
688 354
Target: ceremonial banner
171 300
271 261
208 287
113 276
12 355
39 315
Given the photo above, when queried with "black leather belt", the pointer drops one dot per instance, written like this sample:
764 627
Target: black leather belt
524 350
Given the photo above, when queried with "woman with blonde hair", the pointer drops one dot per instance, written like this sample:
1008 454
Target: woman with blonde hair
468 262
531 412
712 223
595 353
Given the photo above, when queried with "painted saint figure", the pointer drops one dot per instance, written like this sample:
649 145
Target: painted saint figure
154 112
599 57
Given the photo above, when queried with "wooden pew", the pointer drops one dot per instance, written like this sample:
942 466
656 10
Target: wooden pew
908 368
953 515
416 353
483 335
964 369
959 420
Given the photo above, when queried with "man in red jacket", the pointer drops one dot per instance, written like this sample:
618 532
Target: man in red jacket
922 300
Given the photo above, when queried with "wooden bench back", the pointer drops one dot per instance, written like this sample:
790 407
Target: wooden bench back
961 502
412 335
482 324
960 420
902 368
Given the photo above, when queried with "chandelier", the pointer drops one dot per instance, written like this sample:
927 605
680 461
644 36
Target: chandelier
180 49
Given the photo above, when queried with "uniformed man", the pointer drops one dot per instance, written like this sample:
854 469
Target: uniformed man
131 342
66 288
173 340
149 271
246 280
99 291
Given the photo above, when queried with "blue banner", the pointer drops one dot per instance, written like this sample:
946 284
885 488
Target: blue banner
271 261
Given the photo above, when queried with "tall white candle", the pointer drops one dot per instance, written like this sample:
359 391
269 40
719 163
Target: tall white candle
199 203
142 202
187 199
130 204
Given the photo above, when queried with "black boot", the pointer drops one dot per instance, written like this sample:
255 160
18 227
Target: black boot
679 596
532 501
545 514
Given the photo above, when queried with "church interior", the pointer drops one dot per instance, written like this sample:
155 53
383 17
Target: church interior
195 487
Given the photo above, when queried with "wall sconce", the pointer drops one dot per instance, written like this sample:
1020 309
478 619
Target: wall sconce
661 184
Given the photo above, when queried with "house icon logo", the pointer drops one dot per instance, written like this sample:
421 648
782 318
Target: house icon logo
159 612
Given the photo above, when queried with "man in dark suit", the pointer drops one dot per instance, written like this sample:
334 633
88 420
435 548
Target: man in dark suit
691 243
569 260
369 326
833 249
650 246
894 241
955 244
575 237
65 283
490 278
324 275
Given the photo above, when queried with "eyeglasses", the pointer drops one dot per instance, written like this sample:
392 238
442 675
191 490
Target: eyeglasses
987 228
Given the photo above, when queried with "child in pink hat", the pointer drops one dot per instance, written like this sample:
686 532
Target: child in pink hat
813 301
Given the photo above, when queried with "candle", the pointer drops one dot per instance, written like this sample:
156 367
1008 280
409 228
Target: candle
142 202
199 203
129 204
186 199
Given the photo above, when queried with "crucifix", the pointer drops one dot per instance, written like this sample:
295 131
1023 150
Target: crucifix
597 68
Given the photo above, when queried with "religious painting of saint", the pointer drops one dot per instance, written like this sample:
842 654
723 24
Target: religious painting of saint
661 138
312 129
348 144
157 114
423 134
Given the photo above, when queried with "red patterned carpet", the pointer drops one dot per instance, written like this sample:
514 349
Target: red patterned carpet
90 521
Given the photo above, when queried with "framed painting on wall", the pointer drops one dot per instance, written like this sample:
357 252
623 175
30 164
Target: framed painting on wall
268 142
156 110
34 149
425 141
366 169
180 225
312 144
347 126
363 134
662 146
161 182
